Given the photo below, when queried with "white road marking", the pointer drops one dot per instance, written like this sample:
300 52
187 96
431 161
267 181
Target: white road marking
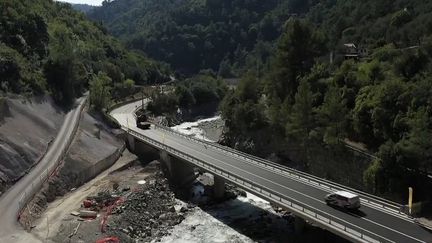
320 201
319 186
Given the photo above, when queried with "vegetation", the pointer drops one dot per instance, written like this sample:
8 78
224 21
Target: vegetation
47 47
199 89
227 35
83 7
100 90
383 102
193 35
289 91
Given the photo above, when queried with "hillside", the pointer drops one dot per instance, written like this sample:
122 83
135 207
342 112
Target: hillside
47 47
192 35
292 100
373 23
227 35
27 127
376 94
83 7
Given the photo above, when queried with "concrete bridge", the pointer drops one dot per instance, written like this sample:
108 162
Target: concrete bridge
380 220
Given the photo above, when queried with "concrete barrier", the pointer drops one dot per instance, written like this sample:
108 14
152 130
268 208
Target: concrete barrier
92 171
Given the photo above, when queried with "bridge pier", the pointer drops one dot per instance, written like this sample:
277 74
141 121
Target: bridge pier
165 160
180 173
218 187
131 142
299 224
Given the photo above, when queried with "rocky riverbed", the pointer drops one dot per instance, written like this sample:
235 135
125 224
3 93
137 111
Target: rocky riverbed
148 210
148 213
145 208
243 218
208 129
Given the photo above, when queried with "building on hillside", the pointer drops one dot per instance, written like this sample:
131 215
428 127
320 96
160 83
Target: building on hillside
351 51
348 51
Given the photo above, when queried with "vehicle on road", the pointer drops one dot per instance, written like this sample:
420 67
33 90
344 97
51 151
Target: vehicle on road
343 199
142 122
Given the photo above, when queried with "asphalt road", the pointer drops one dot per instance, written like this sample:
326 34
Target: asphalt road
382 225
10 229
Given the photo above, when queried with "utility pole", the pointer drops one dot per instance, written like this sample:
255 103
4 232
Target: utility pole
142 100
410 199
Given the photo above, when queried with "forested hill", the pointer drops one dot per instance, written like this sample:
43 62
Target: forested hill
47 47
377 96
192 34
373 23
199 34
83 7
290 94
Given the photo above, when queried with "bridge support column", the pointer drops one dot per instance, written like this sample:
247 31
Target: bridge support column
131 142
180 173
299 224
218 187
165 160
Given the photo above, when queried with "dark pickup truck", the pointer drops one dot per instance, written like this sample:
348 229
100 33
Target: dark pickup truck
142 122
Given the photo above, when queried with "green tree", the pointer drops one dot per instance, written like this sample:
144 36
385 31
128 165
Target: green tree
12 67
184 96
371 175
301 121
225 69
100 91
61 69
123 89
333 116
249 88
297 48
400 18
416 148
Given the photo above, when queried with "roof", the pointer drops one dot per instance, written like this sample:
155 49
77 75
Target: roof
350 45
346 194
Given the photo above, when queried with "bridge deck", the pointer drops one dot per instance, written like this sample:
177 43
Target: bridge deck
373 221
389 227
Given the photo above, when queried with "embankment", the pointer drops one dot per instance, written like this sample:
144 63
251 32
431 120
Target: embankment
93 150
27 126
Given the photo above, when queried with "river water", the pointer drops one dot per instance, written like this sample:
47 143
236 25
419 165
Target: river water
202 129
245 219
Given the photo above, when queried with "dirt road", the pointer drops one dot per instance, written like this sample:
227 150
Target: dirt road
46 227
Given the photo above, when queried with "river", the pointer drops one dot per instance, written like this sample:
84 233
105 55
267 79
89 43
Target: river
244 219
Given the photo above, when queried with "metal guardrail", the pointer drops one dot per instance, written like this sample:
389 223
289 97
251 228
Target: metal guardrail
346 228
386 204
36 185
330 222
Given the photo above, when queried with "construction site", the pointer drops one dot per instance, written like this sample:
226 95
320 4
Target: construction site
101 192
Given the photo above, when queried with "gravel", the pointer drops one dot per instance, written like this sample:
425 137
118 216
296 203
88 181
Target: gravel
148 213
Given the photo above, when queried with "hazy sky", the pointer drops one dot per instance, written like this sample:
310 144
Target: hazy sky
91 2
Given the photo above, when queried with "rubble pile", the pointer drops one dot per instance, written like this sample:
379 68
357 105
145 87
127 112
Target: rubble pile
148 213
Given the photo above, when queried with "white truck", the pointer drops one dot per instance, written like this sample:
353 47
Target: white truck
343 199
